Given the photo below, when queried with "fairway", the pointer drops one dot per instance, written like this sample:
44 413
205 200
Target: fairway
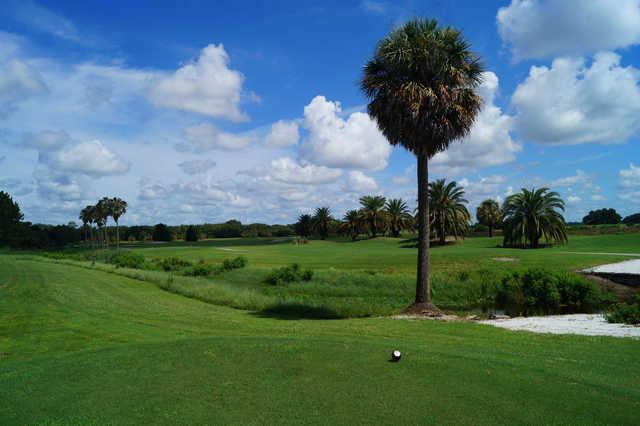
83 346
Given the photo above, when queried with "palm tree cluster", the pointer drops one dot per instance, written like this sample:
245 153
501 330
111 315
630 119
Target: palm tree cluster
98 215
448 213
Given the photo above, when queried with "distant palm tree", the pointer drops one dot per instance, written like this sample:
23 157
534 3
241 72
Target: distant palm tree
398 216
449 216
87 216
421 85
304 226
352 224
118 207
489 214
102 213
372 211
530 215
321 221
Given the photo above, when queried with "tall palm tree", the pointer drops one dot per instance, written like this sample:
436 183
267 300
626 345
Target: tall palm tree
304 226
87 215
421 85
489 214
118 207
530 215
102 213
321 221
352 224
398 216
372 211
449 216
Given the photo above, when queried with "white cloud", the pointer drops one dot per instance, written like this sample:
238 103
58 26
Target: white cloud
37 17
483 187
205 137
360 183
548 28
597 197
630 178
194 167
153 191
283 133
579 178
287 170
207 86
91 158
573 199
57 186
376 7
18 81
354 143
489 142
50 140
571 103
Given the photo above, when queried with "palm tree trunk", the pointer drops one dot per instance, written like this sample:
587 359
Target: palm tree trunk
117 237
443 235
423 285
490 232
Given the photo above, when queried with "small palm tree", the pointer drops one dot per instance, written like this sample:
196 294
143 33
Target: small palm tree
322 221
101 217
449 216
304 226
87 216
489 214
118 207
421 86
352 224
529 216
372 211
398 216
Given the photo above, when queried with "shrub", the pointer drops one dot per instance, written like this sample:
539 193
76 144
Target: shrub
199 269
127 259
235 263
192 234
172 263
161 232
288 274
625 313
538 291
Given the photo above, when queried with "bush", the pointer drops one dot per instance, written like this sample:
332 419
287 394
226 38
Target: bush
127 259
235 263
625 313
192 234
161 232
288 274
200 269
172 263
538 291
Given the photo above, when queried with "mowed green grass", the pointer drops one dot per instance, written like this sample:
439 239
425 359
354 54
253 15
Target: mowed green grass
84 346
397 255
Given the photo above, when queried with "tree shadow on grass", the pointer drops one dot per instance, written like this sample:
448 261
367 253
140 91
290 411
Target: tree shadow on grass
296 311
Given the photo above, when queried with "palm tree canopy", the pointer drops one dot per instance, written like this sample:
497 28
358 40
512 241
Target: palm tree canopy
421 85
489 213
372 203
532 214
449 215
118 207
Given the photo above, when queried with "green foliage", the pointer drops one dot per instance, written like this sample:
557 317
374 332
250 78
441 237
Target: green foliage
161 232
373 213
304 226
448 214
398 216
191 234
627 313
10 217
489 214
602 217
531 215
322 220
288 274
200 269
128 259
539 291
235 263
172 263
632 219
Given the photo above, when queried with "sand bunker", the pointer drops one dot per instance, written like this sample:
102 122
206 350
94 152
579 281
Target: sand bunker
626 267
583 324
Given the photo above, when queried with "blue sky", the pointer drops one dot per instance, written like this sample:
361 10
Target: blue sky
206 111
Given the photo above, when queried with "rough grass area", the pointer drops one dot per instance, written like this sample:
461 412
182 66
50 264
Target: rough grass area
82 346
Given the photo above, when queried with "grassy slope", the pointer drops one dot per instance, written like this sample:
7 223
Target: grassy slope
84 346
393 255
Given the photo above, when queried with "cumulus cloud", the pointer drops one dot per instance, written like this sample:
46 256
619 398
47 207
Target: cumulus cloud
548 28
360 183
354 143
59 186
571 103
152 191
483 187
207 86
91 158
489 143
579 178
283 133
205 137
194 167
287 170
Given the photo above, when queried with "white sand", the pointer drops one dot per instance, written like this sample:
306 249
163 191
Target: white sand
626 267
584 324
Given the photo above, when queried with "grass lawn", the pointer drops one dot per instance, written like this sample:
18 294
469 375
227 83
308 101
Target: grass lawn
83 346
